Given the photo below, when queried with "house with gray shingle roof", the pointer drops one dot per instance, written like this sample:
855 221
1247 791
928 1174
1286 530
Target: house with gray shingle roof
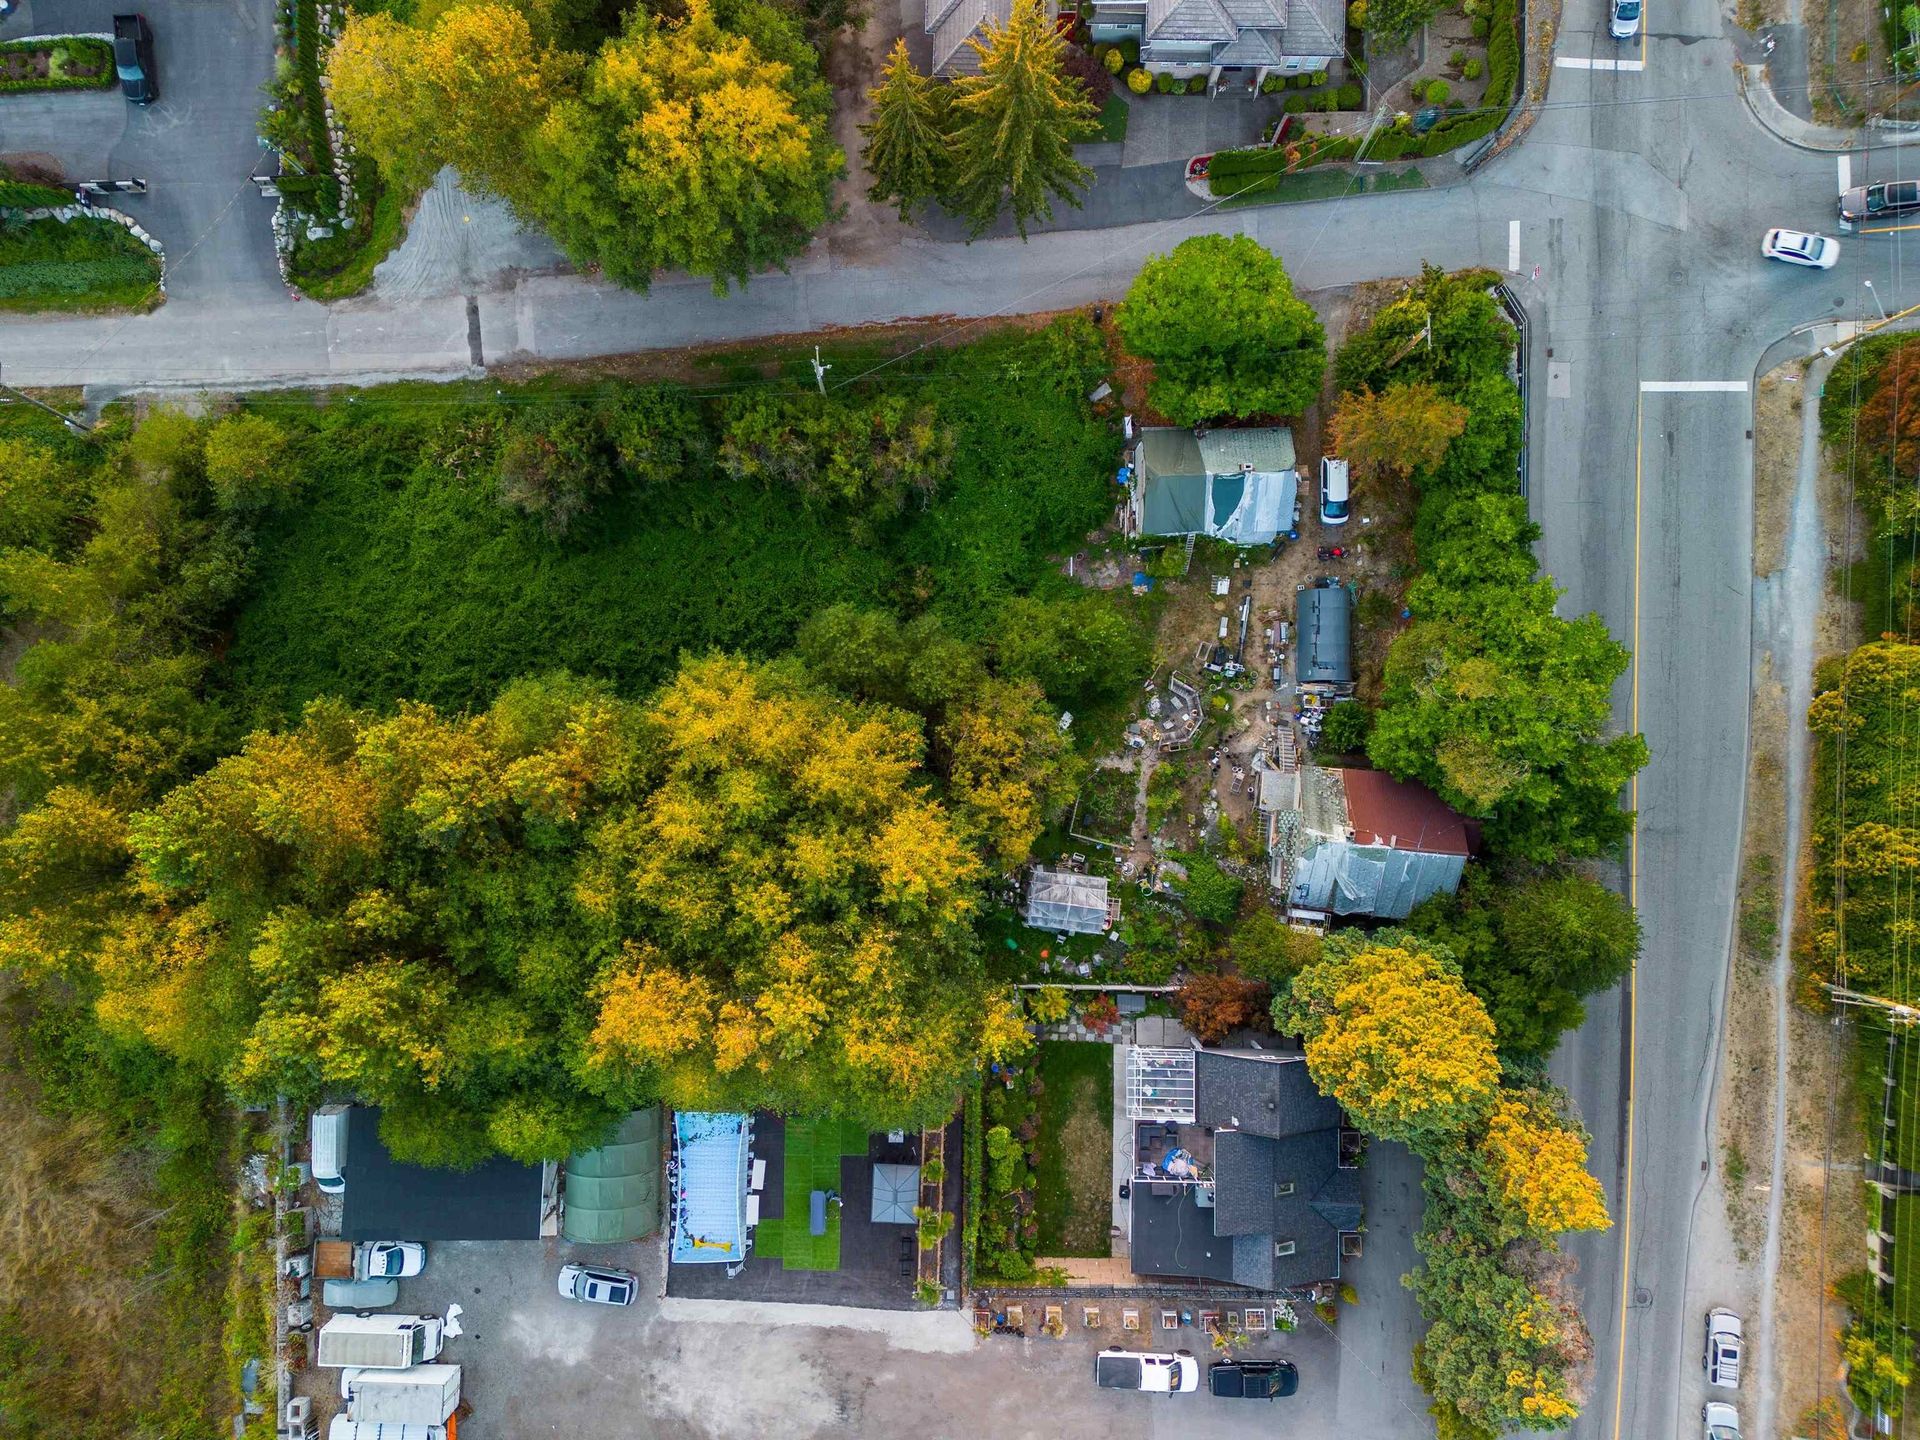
952 23
1235 43
1248 1188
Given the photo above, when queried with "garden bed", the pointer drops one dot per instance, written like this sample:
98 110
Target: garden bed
75 265
1074 1170
72 62
1103 814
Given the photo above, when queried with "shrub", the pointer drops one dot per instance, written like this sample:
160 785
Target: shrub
1357 15
1352 96
1048 1006
1111 58
1438 92
1163 82
1858 53
1326 101
1271 85
1196 85
1319 77
933 1172
1457 58
247 463
1094 77
1294 105
1349 1295
1139 81
1130 50
1299 82
1472 69
1480 27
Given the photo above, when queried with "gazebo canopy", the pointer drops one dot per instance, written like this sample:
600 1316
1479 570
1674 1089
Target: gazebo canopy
896 1189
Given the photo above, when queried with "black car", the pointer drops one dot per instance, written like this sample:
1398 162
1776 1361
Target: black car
1252 1379
133 59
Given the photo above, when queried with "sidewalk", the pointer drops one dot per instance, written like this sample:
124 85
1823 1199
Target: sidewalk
1756 86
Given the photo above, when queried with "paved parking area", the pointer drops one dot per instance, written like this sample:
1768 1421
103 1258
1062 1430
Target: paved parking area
723 1370
195 146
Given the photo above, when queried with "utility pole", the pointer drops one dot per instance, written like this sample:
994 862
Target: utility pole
25 398
820 371
1895 1012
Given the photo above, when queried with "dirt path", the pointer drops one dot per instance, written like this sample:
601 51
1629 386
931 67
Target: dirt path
867 231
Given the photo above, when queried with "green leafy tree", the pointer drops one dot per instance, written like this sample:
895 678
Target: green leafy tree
1014 125
248 465
1208 891
553 466
1266 948
1079 646
691 145
1345 730
907 137
1447 329
1226 334
37 494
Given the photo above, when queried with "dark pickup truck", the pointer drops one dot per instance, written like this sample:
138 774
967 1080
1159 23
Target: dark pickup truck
1252 1379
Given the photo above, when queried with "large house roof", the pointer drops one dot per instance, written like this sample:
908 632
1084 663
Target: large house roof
1403 814
1259 1094
1343 878
1235 485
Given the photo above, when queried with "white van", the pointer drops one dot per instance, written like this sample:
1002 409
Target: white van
380 1342
328 1136
1335 501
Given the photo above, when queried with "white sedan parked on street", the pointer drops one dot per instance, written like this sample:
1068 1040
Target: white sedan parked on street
1797 247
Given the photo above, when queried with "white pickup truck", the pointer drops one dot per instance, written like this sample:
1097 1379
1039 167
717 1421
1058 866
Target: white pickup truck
1157 1372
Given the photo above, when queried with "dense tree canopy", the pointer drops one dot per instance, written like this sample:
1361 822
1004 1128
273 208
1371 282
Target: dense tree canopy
907 137
1403 429
1014 124
1226 334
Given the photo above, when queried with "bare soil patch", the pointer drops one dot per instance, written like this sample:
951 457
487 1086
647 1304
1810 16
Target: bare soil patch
1776 463
1846 58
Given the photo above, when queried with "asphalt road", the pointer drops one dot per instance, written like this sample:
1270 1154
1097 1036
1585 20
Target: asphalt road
1639 198
195 145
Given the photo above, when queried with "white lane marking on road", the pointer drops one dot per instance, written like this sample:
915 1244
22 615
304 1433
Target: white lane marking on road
1513 246
1580 62
1692 387
1846 173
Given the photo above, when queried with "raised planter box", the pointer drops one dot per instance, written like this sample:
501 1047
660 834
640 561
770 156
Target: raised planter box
55 62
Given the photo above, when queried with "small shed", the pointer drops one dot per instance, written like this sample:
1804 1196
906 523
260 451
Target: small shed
896 1190
1324 654
1063 900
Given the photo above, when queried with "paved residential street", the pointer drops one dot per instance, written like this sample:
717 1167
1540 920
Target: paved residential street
194 146
1629 221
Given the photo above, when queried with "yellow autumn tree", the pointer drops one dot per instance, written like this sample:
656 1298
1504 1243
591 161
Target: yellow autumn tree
1538 1164
1396 1037
468 90
1010 764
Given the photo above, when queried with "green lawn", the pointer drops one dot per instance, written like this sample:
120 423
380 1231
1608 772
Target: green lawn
366 251
1329 185
1906 1255
75 265
814 1149
1074 1169
1113 120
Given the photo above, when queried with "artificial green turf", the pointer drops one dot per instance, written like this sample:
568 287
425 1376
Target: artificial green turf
1079 1082
813 1152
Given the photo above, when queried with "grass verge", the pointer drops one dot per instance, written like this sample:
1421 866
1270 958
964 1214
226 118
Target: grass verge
75 265
1113 121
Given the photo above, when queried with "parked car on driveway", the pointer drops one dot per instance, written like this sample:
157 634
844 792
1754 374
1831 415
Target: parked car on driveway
1723 1349
391 1259
1158 1372
597 1285
1719 1421
1797 247
133 59
1252 1379
1336 500
1879 202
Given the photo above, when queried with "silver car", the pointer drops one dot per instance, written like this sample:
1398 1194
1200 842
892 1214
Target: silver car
597 1285
1719 1421
1624 21
1724 1346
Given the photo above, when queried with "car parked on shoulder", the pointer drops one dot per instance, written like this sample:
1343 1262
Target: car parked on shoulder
1336 494
597 1285
1252 1379
1798 247
133 59
1624 23
1158 1372
1879 202
1719 1421
1723 1349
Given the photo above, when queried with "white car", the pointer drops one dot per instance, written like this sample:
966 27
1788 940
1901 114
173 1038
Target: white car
1624 23
392 1259
1162 1372
1336 494
1720 1421
597 1285
1797 247
1723 1349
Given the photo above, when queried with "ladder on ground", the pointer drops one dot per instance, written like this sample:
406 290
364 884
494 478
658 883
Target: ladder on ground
1289 757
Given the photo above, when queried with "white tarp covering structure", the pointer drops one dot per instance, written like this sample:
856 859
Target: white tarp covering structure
1160 1084
1062 900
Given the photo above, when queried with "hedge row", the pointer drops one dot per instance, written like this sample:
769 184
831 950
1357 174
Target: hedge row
97 54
